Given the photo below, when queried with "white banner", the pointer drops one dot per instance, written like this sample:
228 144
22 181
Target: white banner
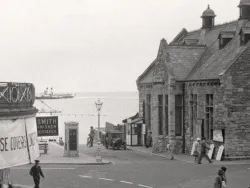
13 142
32 138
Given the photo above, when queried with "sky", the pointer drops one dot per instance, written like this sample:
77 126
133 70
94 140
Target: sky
93 45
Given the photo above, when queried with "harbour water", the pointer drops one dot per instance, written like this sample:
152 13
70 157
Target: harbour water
116 107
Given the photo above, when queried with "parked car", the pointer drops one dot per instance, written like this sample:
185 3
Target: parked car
115 139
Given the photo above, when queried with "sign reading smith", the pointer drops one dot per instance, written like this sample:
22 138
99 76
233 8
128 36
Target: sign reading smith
47 126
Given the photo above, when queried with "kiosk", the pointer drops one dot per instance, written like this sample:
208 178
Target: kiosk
71 148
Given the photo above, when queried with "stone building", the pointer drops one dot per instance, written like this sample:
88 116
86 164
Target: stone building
199 86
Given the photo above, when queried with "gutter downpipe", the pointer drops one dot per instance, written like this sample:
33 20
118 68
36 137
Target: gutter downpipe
183 119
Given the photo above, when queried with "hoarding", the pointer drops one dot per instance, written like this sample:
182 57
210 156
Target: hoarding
217 135
18 142
47 125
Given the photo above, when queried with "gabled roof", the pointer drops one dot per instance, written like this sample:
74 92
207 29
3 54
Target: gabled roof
191 60
182 59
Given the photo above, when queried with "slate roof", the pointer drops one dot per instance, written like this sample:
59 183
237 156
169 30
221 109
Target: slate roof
203 60
218 60
182 59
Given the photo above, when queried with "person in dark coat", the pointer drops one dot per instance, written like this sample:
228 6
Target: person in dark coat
204 149
224 175
92 135
36 171
218 179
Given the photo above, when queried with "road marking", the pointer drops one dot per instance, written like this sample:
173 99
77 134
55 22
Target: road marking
127 182
45 168
106 179
85 176
23 186
144 186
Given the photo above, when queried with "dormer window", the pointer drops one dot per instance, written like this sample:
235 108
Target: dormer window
225 37
191 41
244 35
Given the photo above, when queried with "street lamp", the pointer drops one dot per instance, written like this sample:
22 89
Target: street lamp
98 107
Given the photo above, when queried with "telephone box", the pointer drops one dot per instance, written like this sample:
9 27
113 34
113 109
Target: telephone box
71 148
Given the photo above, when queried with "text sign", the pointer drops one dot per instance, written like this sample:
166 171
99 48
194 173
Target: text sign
47 126
141 109
219 153
17 137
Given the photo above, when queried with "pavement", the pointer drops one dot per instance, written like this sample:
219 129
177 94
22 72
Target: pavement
55 156
184 157
133 168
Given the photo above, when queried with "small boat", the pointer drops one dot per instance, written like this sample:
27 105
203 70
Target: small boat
51 95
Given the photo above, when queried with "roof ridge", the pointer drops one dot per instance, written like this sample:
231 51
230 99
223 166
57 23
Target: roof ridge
220 24
182 45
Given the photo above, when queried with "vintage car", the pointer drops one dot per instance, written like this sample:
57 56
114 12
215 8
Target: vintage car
115 139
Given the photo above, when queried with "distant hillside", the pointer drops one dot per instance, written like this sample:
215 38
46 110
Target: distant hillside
109 94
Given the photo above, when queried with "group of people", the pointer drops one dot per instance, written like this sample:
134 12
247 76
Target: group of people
201 149
221 180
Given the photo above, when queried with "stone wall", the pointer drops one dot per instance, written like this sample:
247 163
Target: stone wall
160 145
231 109
236 84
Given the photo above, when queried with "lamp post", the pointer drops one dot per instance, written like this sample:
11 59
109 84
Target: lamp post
98 107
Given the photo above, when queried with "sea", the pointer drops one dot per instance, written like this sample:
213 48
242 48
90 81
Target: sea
116 107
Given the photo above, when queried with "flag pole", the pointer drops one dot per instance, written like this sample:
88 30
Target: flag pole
27 141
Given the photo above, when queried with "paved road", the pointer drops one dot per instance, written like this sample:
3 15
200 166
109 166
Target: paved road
131 169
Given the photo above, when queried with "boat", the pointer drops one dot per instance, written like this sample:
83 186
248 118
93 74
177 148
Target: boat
51 95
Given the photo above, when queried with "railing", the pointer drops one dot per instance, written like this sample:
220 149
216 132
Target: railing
16 95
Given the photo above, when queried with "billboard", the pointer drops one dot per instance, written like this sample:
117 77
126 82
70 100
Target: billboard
217 135
47 125
18 142
141 109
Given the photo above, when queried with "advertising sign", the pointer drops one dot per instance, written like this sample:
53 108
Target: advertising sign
219 153
15 143
47 125
141 109
210 152
217 135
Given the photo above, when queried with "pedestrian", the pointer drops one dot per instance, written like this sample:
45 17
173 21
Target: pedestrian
89 141
224 179
149 140
197 150
218 179
170 148
92 134
36 171
204 148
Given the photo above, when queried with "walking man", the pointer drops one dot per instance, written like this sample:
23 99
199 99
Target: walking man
204 149
92 134
36 171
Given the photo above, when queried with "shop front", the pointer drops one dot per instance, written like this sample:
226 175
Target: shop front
135 131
